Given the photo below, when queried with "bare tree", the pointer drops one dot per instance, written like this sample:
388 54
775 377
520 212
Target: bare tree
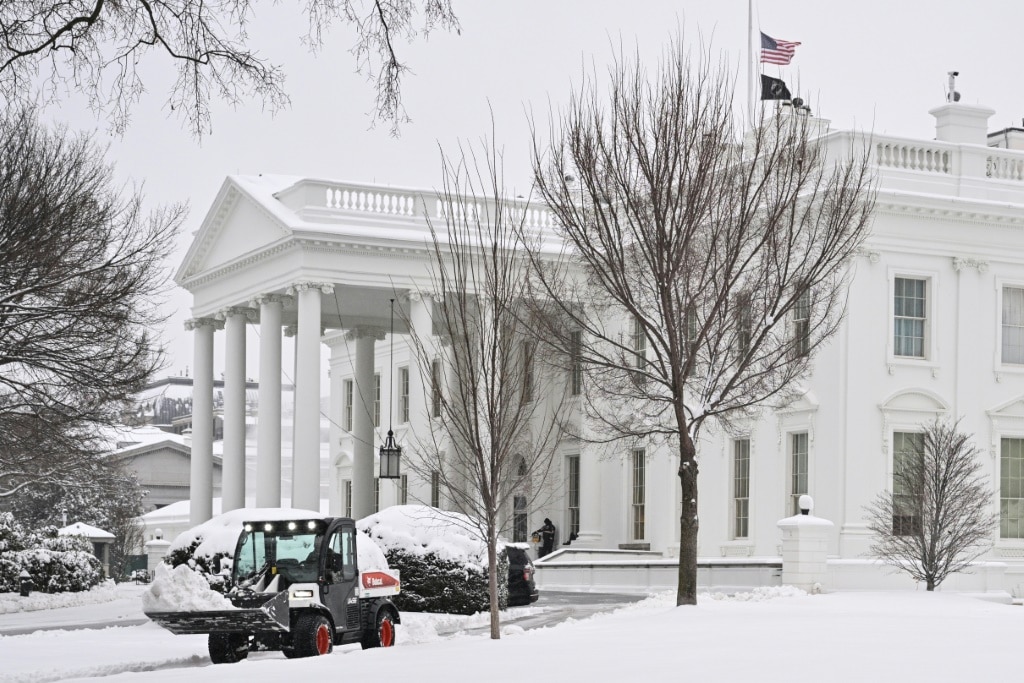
81 275
498 421
703 265
97 46
937 518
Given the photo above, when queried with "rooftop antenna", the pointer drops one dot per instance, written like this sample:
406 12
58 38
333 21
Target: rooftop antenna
952 95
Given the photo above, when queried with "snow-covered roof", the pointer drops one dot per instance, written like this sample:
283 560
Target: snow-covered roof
90 532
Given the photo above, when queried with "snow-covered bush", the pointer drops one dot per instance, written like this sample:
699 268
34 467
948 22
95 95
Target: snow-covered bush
57 564
443 562
60 571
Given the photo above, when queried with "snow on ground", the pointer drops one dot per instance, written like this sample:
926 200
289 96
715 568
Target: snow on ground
775 634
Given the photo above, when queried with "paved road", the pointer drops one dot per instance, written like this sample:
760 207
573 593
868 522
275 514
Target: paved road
554 608
557 606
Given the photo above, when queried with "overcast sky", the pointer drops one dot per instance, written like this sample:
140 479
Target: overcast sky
871 64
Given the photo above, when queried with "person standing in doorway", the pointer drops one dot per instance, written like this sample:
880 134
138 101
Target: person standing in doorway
547 537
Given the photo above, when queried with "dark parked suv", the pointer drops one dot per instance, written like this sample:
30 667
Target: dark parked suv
521 588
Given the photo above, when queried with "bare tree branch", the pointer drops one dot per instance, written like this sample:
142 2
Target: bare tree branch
49 45
499 419
81 279
701 265
937 518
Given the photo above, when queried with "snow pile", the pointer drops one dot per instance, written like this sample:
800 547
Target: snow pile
219 535
369 556
760 594
422 530
180 589
13 602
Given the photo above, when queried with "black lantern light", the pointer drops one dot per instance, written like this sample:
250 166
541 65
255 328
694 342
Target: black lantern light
390 452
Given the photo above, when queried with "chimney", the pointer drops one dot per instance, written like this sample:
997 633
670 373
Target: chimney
962 123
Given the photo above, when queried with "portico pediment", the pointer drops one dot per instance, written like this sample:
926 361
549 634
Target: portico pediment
915 401
1011 409
244 218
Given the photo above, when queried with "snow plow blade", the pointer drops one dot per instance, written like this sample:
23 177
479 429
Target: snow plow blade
272 615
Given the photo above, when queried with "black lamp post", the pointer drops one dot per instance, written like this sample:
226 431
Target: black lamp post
390 452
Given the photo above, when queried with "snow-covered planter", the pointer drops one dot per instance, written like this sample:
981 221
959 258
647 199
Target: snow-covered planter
443 562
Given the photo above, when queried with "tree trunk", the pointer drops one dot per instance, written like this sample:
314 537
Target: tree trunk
492 583
686 592
930 584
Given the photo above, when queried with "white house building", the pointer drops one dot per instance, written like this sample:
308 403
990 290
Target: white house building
935 327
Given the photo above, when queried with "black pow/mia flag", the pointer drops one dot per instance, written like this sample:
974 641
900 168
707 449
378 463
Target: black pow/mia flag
774 89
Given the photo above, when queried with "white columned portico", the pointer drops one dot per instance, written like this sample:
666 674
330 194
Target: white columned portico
233 472
201 469
422 350
362 419
268 426
306 442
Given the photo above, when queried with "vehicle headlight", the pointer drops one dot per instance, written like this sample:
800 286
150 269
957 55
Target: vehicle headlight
302 594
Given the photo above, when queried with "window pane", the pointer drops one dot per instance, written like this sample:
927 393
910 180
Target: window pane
909 306
1011 488
1013 325
741 487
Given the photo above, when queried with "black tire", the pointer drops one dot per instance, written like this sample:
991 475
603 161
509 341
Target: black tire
383 632
312 637
228 648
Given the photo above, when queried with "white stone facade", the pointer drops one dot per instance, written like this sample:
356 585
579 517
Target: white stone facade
325 258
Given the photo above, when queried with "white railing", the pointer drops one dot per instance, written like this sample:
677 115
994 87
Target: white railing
1005 166
324 198
914 157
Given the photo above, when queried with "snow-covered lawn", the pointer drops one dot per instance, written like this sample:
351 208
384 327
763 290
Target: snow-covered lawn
772 635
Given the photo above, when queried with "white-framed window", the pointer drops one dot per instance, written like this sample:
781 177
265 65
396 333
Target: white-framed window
435 388
910 317
519 519
347 392
802 324
527 349
638 340
1011 488
376 494
638 507
403 394
376 400
907 452
572 488
691 326
744 323
797 470
1012 322
348 497
575 363
403 490
741 488
435 489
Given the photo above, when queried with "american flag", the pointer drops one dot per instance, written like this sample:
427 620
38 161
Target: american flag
776 51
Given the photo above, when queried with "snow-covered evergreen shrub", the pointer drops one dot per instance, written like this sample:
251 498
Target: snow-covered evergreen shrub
208 566
59 571
434 584
441 557
57 564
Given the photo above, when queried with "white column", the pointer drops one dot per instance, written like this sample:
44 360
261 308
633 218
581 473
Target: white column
421 323
233 468
590 535
201 470
306 443
268 425
362 420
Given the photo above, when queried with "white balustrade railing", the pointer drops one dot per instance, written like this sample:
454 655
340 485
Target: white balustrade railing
1004 167
914 157
317 196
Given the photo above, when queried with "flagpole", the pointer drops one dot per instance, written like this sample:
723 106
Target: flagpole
750 61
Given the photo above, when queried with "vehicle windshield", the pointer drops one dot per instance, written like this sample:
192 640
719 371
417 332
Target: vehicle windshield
275 545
